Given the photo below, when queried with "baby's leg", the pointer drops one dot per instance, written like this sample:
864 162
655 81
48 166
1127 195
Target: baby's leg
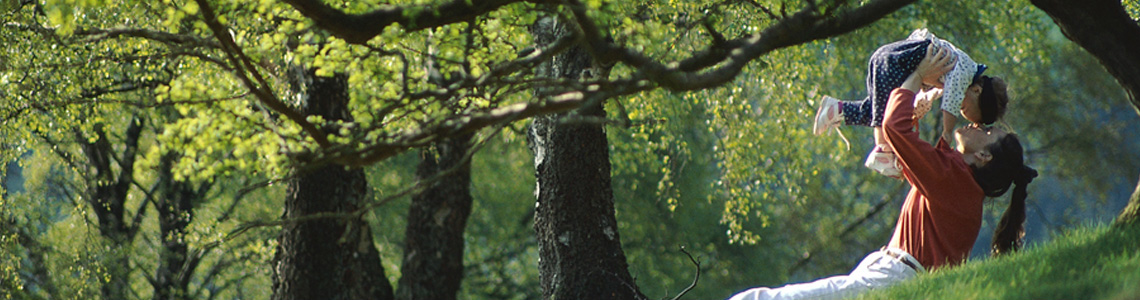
881 141
888 67
858 112
882 159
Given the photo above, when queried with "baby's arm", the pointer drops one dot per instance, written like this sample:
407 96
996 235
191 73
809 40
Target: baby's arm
925 100
948 122
922 104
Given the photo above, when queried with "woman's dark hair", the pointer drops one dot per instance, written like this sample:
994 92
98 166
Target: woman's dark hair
1006 167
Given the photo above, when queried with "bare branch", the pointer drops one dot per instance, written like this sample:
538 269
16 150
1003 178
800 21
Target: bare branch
696 277
1107 31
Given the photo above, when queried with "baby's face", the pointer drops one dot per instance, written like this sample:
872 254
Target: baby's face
970 109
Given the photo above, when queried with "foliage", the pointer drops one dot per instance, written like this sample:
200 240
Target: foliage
728 170
760 124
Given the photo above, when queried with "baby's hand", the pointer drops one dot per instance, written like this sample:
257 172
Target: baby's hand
924 101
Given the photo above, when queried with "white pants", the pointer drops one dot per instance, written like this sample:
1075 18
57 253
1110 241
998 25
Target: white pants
877 270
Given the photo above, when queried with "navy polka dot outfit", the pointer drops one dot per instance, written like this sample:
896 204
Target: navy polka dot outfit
888 67
891 64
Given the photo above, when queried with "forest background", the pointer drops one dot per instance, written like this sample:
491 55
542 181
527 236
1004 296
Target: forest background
180 149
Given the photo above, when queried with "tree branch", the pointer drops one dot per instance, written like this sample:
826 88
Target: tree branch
470 122
122 86
847 230
1105 30
731 56
91 35
696 277
474 120
45 106
418 186
127 169
97 34
717 65
358 29
261 89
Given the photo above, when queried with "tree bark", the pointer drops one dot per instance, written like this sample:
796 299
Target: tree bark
1131 211
175 210
359 28
107 194
433 245
580 254
325 250
1105 30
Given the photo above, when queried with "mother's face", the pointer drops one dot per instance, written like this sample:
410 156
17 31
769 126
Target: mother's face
973 138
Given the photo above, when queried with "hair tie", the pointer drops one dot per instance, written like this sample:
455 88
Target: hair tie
1027 175
987 101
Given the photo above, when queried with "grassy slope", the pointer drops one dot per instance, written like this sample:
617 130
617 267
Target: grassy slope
1089 263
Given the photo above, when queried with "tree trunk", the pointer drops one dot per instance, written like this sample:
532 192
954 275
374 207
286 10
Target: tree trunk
175 211
325 250
1132 210
1105 30
580 254
107 195
433 245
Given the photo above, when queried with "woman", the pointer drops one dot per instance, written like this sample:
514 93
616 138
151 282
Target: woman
943 210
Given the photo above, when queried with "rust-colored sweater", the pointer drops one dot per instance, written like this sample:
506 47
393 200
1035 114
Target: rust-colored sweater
943 211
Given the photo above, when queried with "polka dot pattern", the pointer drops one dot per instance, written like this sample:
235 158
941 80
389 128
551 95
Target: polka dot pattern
957 80
888 67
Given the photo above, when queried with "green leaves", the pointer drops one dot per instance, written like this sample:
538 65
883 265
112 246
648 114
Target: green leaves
730 164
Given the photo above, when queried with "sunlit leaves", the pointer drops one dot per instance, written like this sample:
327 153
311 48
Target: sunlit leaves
1133 8
768 180
660 130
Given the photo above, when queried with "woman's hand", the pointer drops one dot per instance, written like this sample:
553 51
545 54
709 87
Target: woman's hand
935 64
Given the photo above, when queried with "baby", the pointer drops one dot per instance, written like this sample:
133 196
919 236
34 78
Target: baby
964 92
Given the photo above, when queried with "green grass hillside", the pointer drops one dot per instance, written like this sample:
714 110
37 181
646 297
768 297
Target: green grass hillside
1089 263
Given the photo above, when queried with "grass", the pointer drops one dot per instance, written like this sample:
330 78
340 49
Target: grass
1100 262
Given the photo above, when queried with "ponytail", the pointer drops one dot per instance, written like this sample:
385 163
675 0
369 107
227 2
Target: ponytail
1007 168
1011 228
